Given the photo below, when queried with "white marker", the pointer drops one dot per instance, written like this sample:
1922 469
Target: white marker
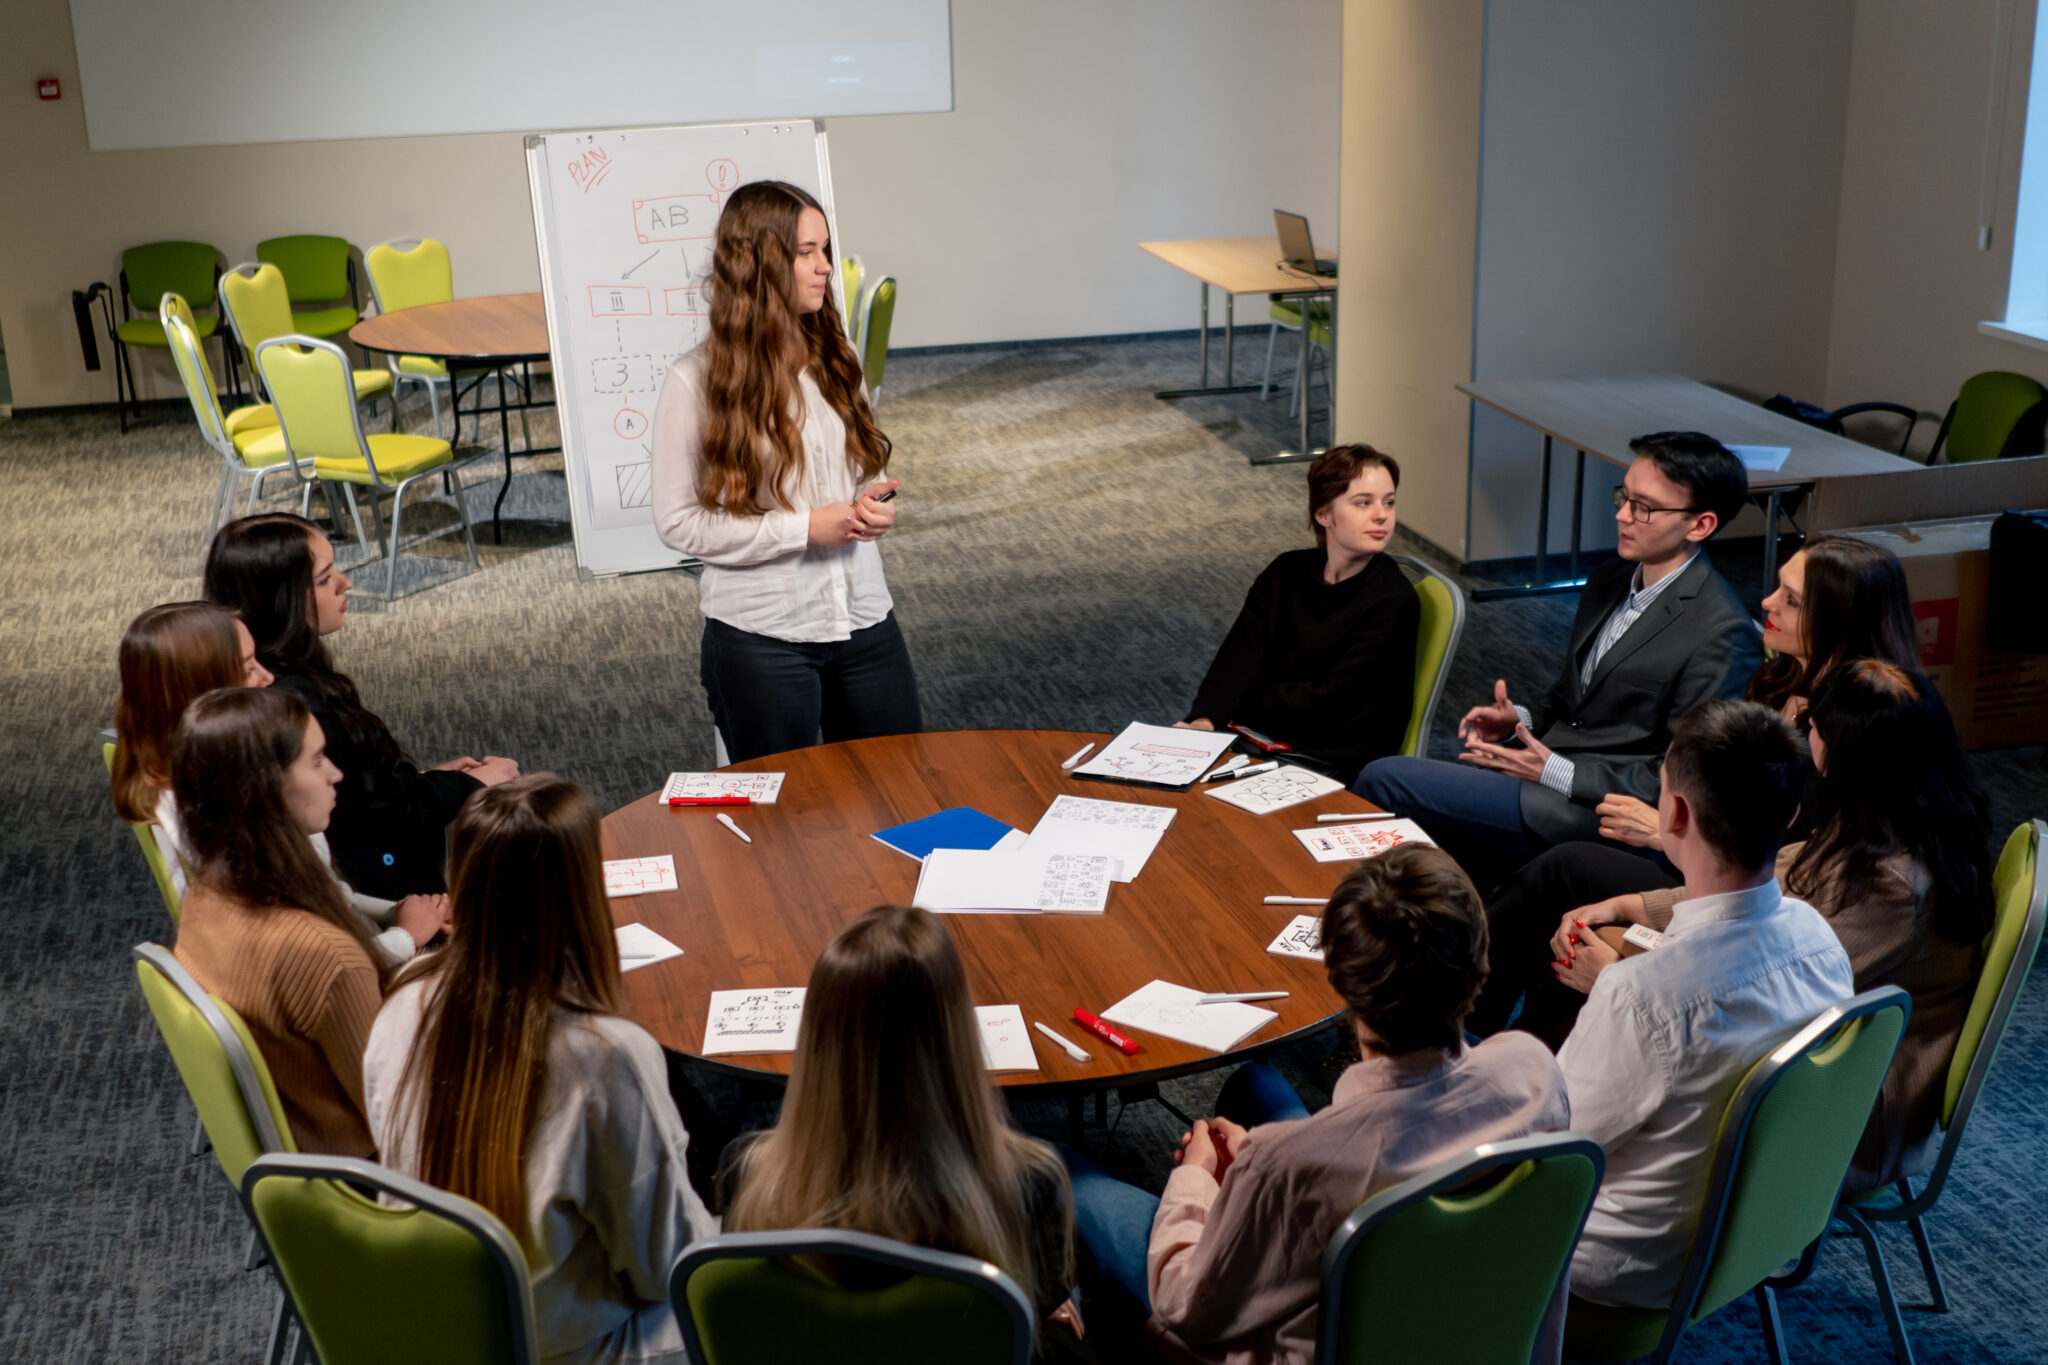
1069 1048
1226 768
1079 754
1296 900
1362 815
726 820
1238 997
1265 767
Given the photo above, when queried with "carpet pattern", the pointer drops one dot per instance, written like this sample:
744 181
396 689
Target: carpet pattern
1069 552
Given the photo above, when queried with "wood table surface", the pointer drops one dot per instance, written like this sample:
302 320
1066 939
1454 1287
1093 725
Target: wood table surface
499 329
1239 265
757 915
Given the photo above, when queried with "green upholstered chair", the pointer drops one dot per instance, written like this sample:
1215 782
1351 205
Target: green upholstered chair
1995 415
258 304
877 311
1285 314
851 272
2019 888
751 1298
408 273
308 380
188 269
317 270
226 1077
1785 1143
159 870
1436 644
1506 1214
436 1282
247 439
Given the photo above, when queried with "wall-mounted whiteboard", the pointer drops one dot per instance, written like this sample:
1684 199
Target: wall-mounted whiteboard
624 220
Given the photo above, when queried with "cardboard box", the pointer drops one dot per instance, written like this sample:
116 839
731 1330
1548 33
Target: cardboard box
1996 699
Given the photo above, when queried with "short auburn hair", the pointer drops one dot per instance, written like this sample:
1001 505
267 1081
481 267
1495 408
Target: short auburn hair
1333 472
1404 942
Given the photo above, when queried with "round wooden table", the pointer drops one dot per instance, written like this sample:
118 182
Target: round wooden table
490 334
757 915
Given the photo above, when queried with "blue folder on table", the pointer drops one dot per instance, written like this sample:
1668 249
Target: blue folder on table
960 827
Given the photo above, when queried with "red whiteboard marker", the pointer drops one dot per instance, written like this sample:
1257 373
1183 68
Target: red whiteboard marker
1105 1032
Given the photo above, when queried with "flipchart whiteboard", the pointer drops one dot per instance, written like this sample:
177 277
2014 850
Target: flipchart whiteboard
624 220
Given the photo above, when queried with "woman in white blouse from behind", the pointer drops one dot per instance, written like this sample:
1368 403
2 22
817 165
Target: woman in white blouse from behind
500 1070
766 461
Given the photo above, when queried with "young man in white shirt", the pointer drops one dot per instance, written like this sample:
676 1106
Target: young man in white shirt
1665 1037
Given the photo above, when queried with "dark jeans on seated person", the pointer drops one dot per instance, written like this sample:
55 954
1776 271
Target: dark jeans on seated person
1475 814
1113 1219
769 696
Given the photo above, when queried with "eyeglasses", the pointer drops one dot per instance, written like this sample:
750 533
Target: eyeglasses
1639 511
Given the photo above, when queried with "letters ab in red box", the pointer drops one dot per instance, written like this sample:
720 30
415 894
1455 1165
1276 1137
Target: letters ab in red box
49 88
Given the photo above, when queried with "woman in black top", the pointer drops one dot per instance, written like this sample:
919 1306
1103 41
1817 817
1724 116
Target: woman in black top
1322 656
388 834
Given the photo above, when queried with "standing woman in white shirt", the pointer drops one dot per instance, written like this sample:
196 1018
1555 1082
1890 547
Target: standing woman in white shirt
767 467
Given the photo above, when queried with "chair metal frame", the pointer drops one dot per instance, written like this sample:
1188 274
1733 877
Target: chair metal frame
1316 351
371 1179
941 1265
1443 671
213 428
1459 1175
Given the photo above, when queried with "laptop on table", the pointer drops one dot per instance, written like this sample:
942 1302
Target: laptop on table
1297 247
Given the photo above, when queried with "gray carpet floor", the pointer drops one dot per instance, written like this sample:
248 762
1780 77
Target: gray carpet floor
1069 552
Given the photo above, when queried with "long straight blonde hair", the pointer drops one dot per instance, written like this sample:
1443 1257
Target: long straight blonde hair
890 1125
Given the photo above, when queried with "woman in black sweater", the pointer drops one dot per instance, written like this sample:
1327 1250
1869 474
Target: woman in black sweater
1322 656
388 833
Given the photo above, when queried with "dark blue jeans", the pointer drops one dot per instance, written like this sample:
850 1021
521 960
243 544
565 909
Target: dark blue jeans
769 696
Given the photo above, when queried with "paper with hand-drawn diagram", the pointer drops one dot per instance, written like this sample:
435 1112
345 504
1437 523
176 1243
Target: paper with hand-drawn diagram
638 876
1171 1012
1287 785
1157 755
1005 1042
757 1020
1013 881
1303 937
1126 832
760 788
1348 843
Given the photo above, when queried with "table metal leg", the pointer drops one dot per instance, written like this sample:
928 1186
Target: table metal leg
1229 323
1771 507
1205 334
1578 510
505 441
1543 515
1205 388
1541 588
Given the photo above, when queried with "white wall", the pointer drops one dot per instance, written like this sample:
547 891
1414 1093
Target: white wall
1078 130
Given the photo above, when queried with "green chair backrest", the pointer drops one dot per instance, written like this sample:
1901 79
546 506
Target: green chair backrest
876 314
1436 644
151 852
258 304
746 1297
850 272
223 1072
440 1281
1988 414
1506 1215
2019 888
310 382
182 268
406 274
181 332
315 268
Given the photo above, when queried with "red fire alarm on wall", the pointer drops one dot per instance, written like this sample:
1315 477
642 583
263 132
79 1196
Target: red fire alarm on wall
48 88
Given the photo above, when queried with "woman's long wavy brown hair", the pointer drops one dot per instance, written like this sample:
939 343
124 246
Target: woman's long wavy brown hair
753 408
169 655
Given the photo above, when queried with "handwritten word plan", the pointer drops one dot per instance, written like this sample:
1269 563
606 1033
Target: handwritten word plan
998 880
1171 1012
1303 937
1277 790
1005 1043
1124 831
638 876
1347 843
749 1021
1158 755
760 788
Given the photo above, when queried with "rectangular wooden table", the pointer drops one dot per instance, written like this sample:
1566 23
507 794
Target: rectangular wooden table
1600 416
1247 265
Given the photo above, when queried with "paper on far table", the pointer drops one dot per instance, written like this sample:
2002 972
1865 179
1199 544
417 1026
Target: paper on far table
1158 754
1287 785
1761 459
1005 1043
757 1020
640 946
1171 1012
1124 831
1345 843
1013 880
1303 937
638 876
761 788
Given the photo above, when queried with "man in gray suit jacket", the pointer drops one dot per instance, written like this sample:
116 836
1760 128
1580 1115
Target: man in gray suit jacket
1658 630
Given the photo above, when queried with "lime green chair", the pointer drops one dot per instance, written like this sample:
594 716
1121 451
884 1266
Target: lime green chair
1506 1214
751 1298
1995 415
258 304
247 439
225 1075
152 853
877 311
188 269
850 274
308 379
1436 644
1785 1143
316 270
1286 314
410 272
436 1281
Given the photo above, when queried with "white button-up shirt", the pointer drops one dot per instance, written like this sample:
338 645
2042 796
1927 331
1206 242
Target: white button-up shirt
1660 1047
761 573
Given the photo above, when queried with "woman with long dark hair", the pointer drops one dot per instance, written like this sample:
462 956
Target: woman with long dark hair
768 467
265 927
277 572
500 1070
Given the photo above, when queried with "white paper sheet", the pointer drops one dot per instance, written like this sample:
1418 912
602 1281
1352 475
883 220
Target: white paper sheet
1171 1012
1158 754
750 1021
1012 881
1761 459
761 788
1005 1041
1303 937
638 876
1347 843
1277 790
640 946
1124 831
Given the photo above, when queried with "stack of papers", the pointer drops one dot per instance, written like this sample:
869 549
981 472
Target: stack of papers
640 946
760 788
1005 1044
753 1021
1277 790
1171 1012
960 827
1303 937
1022 880
1126 832
1157 755
638 876
1345 843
